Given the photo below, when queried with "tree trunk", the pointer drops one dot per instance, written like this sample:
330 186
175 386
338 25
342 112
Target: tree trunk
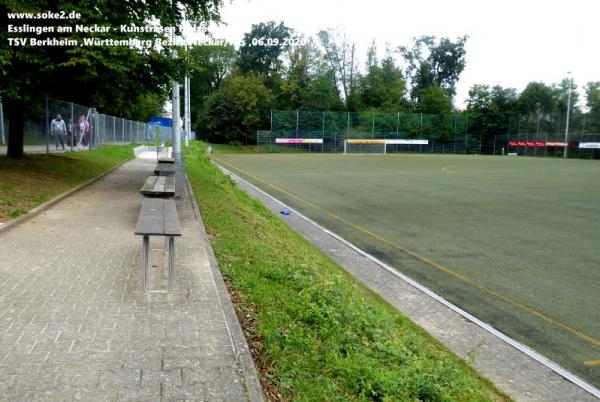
16 117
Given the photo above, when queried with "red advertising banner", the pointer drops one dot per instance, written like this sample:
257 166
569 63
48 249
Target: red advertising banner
538 144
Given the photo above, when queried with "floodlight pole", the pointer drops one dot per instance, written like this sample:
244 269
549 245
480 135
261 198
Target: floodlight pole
175 111
186 111
568 114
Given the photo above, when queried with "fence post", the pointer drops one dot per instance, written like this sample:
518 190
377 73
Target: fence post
348 127
323 134
466 134
297 121
93 129
122 129
373 126
114 129
72 127
47 127
398 125
335 141
2 122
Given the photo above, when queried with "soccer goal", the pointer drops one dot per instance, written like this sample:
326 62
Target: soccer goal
370 146
360 146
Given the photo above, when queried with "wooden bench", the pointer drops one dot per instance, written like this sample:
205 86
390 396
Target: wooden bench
163 154
158 217
159 186
164 169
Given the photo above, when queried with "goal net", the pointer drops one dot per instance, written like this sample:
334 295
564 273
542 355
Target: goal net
381 146
359 146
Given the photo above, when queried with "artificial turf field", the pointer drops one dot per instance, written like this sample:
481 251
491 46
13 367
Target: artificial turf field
514 241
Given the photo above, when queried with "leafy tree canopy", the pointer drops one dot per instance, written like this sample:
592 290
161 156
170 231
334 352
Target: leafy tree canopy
236 110
110 78
434 63
259 55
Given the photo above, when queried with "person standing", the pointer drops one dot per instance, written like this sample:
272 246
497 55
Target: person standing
58 129
83 128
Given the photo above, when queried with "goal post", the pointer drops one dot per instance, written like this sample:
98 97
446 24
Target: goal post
363 146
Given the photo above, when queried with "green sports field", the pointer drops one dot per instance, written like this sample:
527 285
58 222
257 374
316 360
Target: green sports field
514 241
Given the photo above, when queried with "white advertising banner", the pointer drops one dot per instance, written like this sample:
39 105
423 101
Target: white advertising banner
407 142
589 145
298 140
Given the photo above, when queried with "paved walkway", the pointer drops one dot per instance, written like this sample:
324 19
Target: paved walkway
75 325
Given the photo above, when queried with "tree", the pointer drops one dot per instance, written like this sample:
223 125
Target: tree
108 77
592 96
562 95
340 54
431 63
490 110
321 94
236 110
538 98
308 81
209 65
592 101
434 100
148 105
262 48
383 87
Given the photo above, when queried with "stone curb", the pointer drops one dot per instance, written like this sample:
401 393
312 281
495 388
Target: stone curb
251 382
43 207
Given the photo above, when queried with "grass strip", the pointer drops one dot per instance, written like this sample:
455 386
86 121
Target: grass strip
36 178
315 332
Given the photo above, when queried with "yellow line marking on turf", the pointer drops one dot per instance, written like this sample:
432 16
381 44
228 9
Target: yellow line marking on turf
591 363
432 263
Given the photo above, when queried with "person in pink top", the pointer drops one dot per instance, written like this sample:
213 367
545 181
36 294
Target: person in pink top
83 128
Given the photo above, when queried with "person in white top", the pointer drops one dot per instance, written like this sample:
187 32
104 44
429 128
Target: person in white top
58 129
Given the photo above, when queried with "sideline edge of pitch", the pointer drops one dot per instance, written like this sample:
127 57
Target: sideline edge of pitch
517 345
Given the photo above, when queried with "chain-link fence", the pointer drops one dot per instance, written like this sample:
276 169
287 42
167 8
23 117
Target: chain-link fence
456 133
83 128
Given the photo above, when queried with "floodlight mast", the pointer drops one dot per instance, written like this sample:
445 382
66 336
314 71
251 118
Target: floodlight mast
175 132
568 115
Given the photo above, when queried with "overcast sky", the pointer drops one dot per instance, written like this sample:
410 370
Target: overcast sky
511 42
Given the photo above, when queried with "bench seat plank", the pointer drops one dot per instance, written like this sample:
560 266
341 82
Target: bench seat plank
159 186
169 185
158 217
172 225
151 221
148 184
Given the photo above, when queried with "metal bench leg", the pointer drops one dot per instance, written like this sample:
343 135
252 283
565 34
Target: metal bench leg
171 262
145 249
